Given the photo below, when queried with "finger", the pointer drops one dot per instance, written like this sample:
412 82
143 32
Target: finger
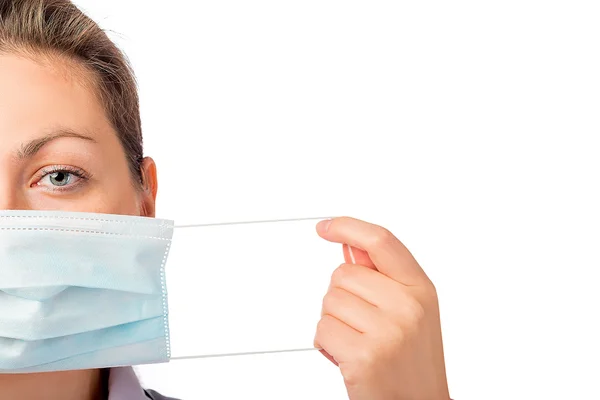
351 310
336 338
353 255
388 254
368 284
328 356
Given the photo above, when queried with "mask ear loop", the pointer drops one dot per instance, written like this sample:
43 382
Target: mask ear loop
252 352
242 354
350 253
251 222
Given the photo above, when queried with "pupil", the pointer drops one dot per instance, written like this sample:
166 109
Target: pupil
59 178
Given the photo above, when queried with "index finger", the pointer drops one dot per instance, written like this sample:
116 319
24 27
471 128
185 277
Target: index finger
389 255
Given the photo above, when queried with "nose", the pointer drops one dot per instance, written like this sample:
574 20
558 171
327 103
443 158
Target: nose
10 202
11 197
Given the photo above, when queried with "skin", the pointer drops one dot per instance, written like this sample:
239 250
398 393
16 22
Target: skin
42 99
380 320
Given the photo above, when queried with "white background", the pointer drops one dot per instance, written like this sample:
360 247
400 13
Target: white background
468 128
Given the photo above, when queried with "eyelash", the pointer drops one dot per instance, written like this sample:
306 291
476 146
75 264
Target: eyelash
78 172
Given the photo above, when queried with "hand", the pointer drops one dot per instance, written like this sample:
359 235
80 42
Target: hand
380 320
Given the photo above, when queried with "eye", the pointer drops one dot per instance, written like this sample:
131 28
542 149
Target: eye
60 178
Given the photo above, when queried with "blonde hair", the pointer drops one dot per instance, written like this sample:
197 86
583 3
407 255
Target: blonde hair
57 28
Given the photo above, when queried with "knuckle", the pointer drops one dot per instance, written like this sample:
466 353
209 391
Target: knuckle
340 275
382 238
391 335
329 302
407 316
367 357
414 313
353 375
333 299
431 296
426 294
323 324
433 291
398 338
430 288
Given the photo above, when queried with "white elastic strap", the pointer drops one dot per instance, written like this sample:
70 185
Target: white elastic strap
240 223
243 354
252 222
351 254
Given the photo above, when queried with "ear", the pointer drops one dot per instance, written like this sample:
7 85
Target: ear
149 188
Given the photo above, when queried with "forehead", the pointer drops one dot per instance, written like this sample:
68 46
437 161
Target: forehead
42 94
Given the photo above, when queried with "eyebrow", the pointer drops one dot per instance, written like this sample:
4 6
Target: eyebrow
31 148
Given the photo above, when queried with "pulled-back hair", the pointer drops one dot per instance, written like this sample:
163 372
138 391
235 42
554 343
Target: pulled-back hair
57 28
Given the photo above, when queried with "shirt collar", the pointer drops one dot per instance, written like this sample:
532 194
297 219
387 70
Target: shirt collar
123 384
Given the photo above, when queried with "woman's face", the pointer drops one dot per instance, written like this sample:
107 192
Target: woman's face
58 150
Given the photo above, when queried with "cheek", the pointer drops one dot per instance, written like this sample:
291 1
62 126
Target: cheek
104 199
123 200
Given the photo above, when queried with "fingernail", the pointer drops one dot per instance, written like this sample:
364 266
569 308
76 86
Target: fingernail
324 225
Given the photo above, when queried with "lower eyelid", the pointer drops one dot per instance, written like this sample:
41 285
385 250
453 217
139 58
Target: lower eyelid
66 188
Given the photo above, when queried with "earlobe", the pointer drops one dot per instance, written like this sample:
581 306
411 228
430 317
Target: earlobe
149 187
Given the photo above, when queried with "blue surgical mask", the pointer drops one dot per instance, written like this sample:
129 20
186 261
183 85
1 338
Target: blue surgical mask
86 290
82 290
